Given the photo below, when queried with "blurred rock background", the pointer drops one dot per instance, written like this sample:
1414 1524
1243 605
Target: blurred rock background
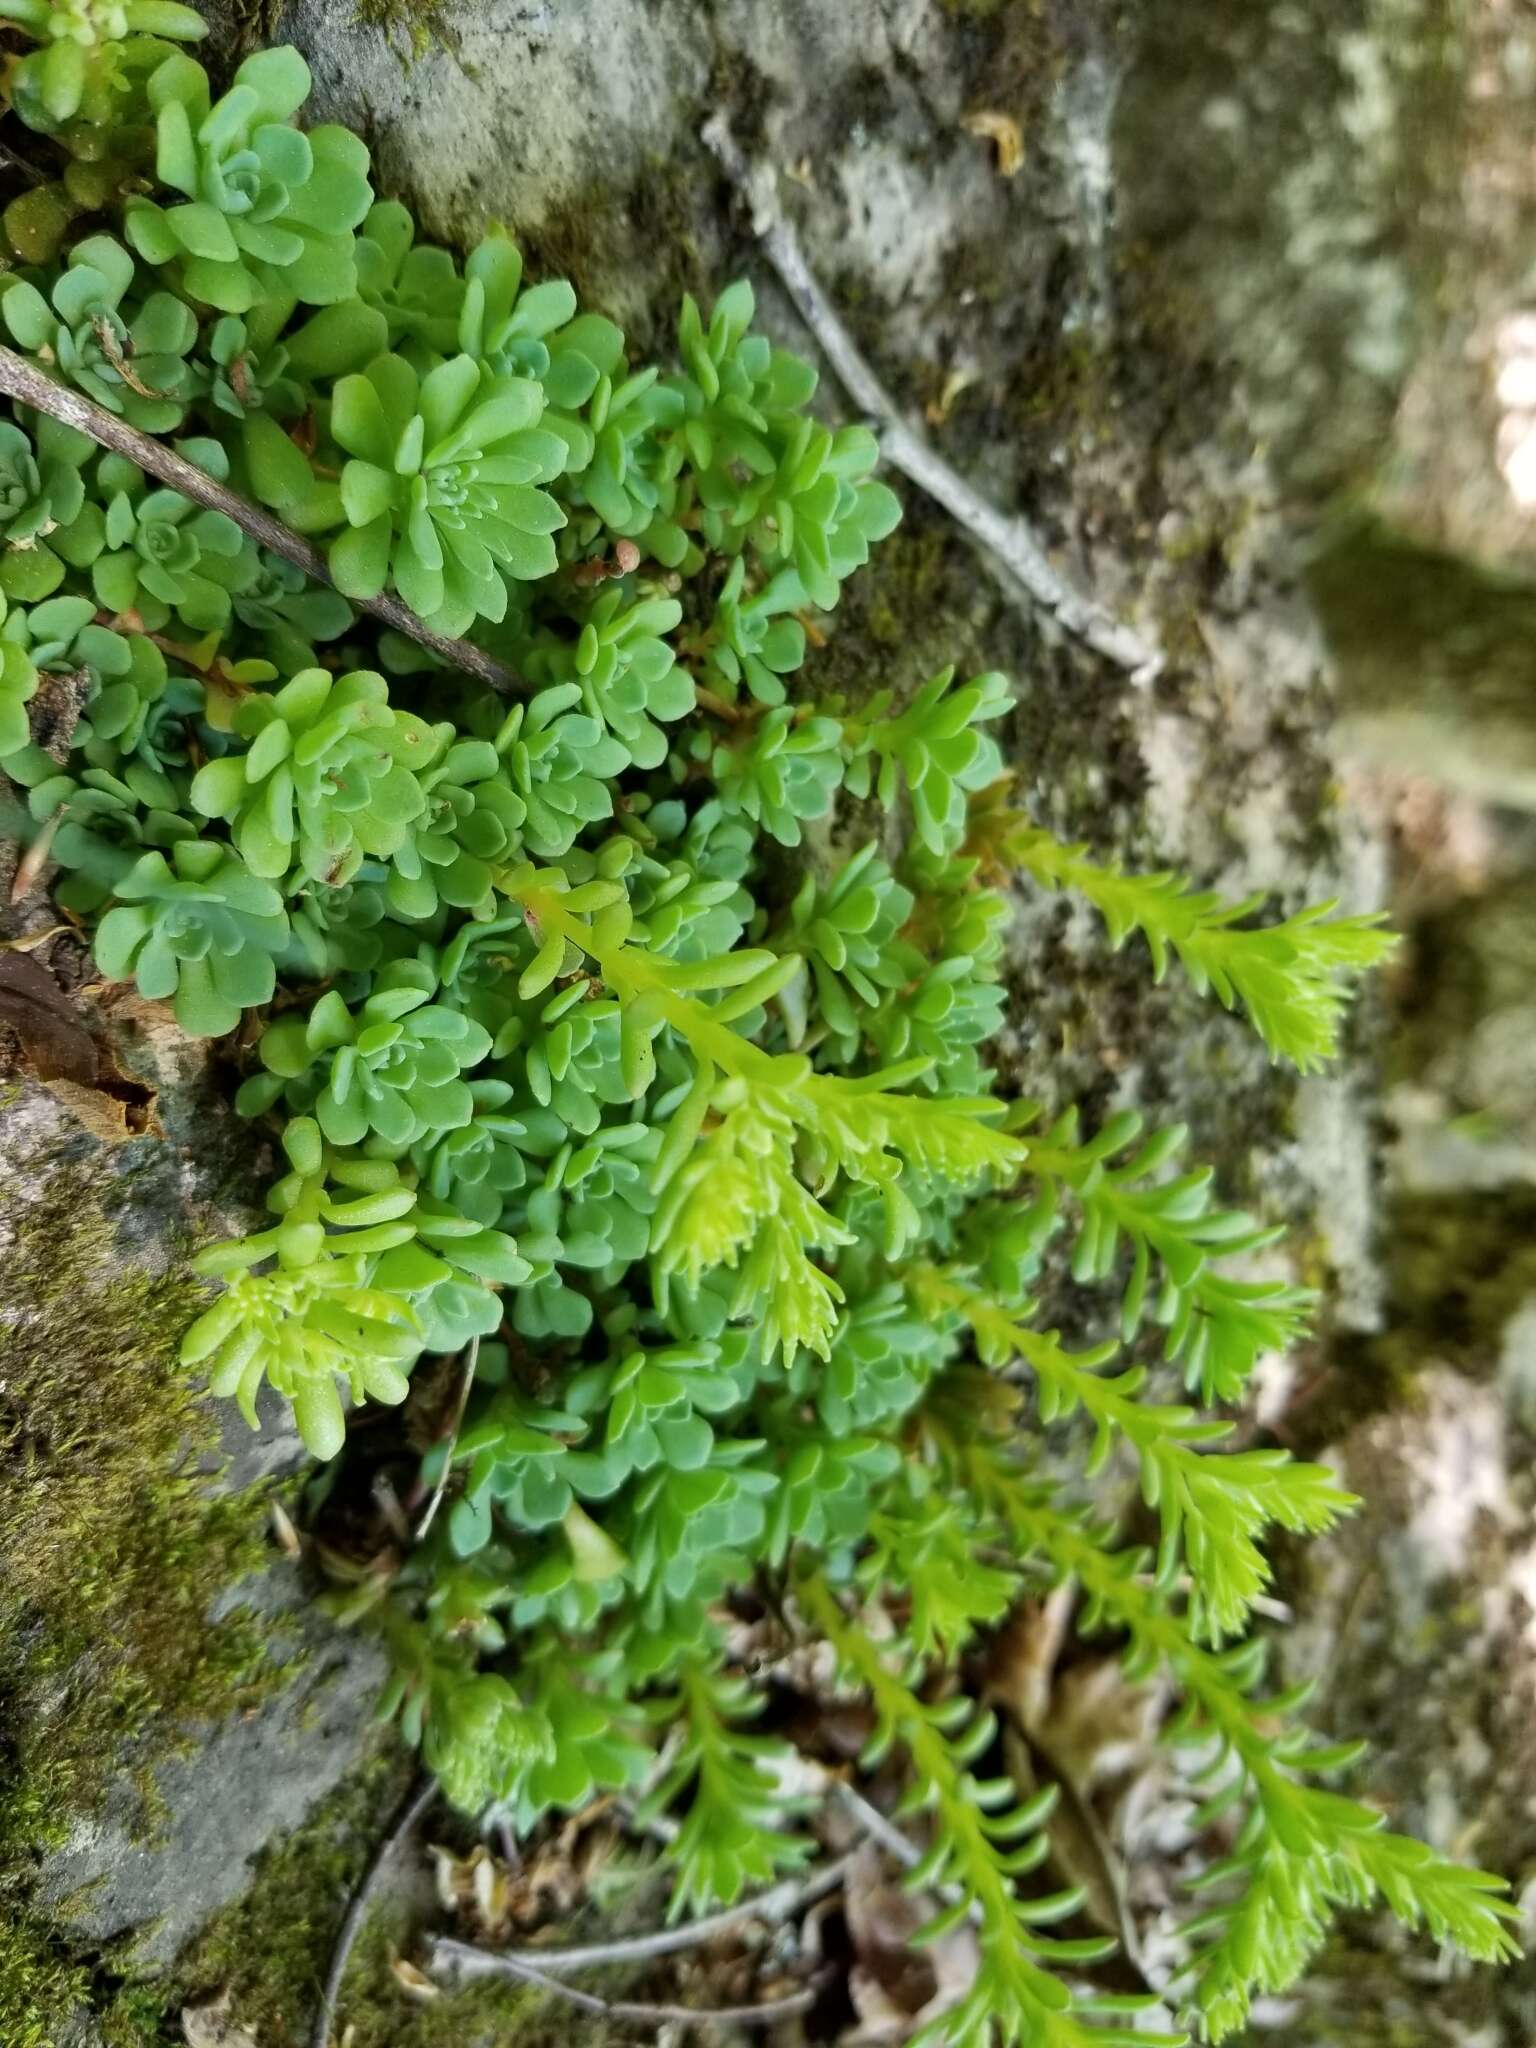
1238 306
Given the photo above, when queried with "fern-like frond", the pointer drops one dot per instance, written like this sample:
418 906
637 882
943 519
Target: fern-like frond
730 1190
731 1835
983 1839
1294 978
1217 1326
735 1202
923 1549
1213 1506
1302 1851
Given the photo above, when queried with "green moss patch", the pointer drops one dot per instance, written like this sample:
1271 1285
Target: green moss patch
112 1553
269 1950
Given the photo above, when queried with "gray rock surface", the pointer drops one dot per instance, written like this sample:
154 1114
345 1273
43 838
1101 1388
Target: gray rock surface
229 1789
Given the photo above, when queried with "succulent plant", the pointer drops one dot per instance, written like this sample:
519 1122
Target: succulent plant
132 360
475 1167
414 285
472 817
391 1067
125 675
783 774
130 681
77 74
102 822
936 747
162 555
591 1211
536 331
765 470
200 928
18 686
558 761
450 1274
846 929
656 1403
632 483
440 492
566 1047
267 207
41 489
290 615
246 376
629 677
329 776
248 369
752 641
334 930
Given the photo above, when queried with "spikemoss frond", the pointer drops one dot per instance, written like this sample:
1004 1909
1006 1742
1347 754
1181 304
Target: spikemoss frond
1214 1505
983 1839
1294 978
735 1832
1177 1235
1302 1852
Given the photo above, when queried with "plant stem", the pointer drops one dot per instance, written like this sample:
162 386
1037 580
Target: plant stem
1006 538
24 382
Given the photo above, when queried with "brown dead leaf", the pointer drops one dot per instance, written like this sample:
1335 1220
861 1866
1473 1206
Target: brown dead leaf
479 1885
55 1043
57 1047
500 1899
1081 1851
30 867
1086 1728
896 1988
1021 1669
113 1118
1099 1727
1003 132
210 2026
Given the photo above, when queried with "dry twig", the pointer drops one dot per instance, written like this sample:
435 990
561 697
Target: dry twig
415 1804
23 381
466 1381
1008 539
767 2014
784 1902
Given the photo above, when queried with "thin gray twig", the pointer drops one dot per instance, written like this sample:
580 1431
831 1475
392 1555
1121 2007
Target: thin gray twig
414 1805
466 1381
766 2014
784 1902
22 380
889 1837
1007 538
876 1826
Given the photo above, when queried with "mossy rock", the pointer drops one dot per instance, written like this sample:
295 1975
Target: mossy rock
168 1698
